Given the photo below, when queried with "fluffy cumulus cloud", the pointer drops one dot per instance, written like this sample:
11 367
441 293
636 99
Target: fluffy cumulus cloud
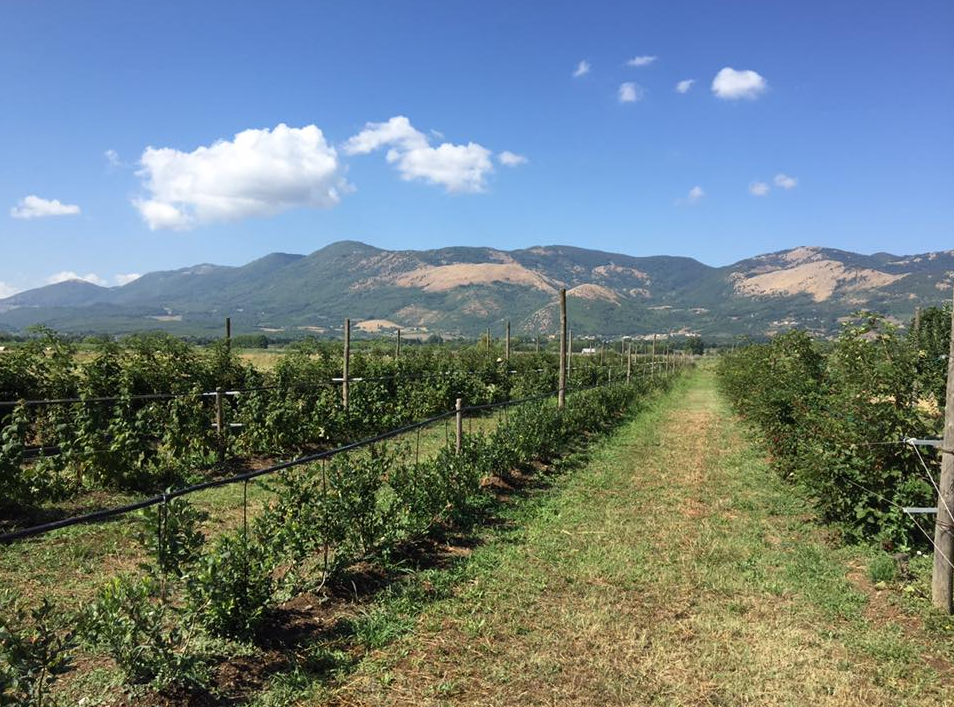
67 275
125 279
34 207
582 69
258 173
785 182
684 86
758 188
457 168
731 85
629 92
641 60
511 159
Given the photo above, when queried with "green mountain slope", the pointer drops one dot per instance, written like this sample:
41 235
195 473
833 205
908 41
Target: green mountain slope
463 290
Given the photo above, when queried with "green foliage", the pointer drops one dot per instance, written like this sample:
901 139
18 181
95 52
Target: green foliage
882 568
931 339
695 345
250 341
230 588
361 501
34 650
14 479
834 419
143 634
172 537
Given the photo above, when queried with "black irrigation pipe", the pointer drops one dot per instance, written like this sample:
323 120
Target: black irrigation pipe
247 476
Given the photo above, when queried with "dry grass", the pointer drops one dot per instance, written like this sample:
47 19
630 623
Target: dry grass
819 279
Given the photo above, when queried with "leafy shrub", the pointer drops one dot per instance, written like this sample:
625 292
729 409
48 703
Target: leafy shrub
834 420
33 652
362 502
142 634
172 536
230 588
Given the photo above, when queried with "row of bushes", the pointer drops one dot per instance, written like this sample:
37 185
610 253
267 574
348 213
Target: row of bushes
136 444
834 414
320 520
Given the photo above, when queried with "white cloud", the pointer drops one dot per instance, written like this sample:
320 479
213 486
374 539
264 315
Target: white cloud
259 173
694 195
629 92
34 207
685 85
759 188
125 279
67 275
112 157
457 168
7 290
511 159
785 182
582 69
730 84
641 60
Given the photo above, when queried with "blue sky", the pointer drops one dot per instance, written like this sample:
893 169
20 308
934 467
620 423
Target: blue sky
849 107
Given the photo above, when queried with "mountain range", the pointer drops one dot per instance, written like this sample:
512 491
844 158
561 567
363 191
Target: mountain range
464 290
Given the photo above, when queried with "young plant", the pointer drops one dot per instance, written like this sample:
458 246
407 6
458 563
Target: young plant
172 536
142 634
230 588
33 652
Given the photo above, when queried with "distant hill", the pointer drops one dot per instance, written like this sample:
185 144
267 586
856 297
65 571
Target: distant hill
463 290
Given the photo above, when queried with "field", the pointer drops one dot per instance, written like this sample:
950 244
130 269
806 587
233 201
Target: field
721 534
162 602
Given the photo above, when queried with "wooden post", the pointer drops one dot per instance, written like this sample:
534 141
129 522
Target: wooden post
669 351
537 347
569 350
397 353
507 346
602 349
488 338
220 421
629 362
917 320
346 360
459 427
561 399
652 363
942 584
228 333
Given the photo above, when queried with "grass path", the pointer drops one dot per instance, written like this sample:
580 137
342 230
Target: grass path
674 569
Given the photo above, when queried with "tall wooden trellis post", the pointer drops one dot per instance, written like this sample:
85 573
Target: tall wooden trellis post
346 360
942 583
561 394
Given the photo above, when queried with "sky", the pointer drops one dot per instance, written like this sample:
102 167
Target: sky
139 136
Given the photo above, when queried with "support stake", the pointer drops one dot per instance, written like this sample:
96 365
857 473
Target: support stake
345 364
942 584
561 400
